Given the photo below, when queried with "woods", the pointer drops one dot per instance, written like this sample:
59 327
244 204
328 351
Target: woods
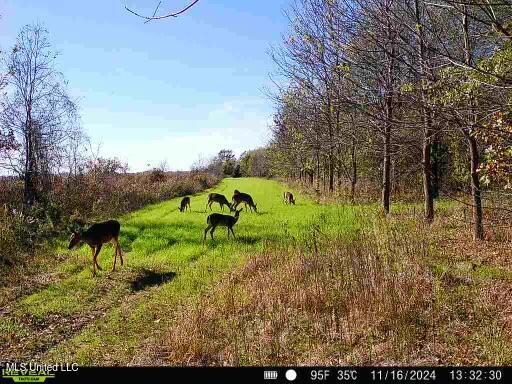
397 94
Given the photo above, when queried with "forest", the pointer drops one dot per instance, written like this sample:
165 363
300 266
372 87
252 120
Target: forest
397 96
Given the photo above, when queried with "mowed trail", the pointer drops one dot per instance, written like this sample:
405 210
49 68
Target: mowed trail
105 320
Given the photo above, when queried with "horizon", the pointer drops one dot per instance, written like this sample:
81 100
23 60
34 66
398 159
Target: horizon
175 90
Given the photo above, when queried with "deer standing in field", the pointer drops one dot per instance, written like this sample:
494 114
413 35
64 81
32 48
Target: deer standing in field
217 198
240 197
288 198
97 235
185 202
215 220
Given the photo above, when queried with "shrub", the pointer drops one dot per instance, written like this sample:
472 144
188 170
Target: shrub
76 200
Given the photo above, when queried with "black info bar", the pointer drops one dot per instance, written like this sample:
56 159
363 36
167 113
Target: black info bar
72 373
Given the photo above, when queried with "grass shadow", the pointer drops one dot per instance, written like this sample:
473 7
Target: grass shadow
147 278
250 240
127 237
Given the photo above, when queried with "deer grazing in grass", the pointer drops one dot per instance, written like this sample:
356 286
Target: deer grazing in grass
97 235
288 198
219 220
217 198
240 197
185 202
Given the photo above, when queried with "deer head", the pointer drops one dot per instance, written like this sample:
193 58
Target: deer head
74 240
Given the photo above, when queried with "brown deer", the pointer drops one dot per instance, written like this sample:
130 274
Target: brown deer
288 198
97 235
184 203
217 198
240 197
218 219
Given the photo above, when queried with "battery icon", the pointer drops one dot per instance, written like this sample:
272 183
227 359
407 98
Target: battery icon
270 375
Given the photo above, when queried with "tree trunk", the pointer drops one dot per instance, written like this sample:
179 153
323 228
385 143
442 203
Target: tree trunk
353 179
29 177
478 228
331 172
437 152
428 132
317 171
386 171
428 196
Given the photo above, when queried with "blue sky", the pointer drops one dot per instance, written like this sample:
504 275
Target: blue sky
178 89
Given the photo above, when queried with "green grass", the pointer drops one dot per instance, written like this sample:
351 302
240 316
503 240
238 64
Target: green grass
122 317
161 240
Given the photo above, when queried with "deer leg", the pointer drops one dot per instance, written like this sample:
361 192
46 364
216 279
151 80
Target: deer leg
119 250
228 232
206 232
232 232
115 253
94 259
211 232
98 249
93 252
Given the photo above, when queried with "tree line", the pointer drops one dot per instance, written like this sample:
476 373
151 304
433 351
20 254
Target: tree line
396 92
225 164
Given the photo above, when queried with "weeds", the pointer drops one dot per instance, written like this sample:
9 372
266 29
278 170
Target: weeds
323 301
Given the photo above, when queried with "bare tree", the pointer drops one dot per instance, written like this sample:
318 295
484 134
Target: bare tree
38 111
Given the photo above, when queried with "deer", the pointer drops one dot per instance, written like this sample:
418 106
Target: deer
97 235
288 198
184 203
240 197
215 220
217 198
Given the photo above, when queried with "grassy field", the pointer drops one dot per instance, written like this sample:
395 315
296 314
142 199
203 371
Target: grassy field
306 284
103 320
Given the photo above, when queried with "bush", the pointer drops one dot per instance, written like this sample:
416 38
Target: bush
74 201
9 246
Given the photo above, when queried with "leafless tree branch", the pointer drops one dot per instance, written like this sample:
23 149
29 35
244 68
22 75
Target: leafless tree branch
154 17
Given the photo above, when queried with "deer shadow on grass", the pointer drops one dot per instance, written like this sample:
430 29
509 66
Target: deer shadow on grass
249 240
147 278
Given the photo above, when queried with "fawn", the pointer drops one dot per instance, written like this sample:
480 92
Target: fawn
217 198
288 198
218 219
97 235
184 203
240 197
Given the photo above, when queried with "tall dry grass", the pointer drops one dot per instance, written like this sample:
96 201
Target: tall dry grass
363 299
100 195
